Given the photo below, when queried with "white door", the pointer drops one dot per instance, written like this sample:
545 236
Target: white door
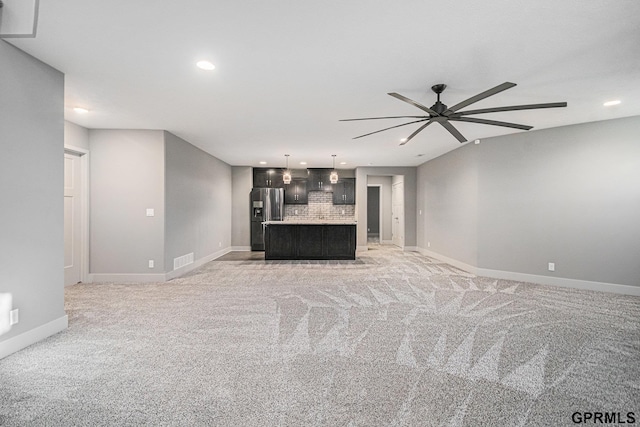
72 219
397 213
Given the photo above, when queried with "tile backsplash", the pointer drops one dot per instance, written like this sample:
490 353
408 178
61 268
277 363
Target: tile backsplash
320 207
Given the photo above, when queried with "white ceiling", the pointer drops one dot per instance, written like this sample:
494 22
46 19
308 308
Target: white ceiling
288 70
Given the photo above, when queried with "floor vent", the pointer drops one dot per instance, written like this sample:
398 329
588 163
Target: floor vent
183 260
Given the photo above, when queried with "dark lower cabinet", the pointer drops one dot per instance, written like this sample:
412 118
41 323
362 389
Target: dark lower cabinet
281 244
334 239
310 241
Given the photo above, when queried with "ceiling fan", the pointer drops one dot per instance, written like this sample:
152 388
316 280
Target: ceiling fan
442 114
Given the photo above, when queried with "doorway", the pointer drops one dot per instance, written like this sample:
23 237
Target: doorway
374 228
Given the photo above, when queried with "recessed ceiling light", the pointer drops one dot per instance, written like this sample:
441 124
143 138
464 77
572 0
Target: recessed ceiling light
263 162
303 163
205 65
477 141
403 140
611 103
80 110
343 163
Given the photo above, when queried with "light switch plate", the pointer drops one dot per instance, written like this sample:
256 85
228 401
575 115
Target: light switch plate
151 212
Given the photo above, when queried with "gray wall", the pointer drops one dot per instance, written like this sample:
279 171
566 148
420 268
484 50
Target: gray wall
568 195
447 201
76 136
362 180
198 198
31 173
127 177
242 181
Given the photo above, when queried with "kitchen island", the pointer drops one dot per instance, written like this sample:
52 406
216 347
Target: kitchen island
309 240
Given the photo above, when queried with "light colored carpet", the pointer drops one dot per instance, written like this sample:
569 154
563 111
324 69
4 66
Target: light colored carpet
391 339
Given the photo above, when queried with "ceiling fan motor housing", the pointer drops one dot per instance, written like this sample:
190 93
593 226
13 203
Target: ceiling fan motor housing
438 107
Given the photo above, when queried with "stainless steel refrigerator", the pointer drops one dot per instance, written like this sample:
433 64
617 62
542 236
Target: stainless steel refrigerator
267 204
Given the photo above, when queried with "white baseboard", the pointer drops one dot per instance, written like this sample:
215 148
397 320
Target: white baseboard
240 248
126 278
561 282
32 336
454 262
196 264
535 278
159 277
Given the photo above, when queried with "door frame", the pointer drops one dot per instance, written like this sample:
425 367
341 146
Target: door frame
83 157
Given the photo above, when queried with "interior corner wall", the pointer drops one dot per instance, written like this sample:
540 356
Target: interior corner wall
242 181
447 200
198 194
362 179
567 195
31 218
127 178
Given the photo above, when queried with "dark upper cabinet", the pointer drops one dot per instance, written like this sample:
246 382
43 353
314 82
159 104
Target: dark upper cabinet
319 180
267 177
344 192
296 192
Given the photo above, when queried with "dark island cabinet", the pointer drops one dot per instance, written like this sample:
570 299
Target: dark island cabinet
344 192
319 180
296 192
310 241
267 178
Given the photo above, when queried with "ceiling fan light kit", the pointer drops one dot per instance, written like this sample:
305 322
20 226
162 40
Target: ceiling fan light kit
442 114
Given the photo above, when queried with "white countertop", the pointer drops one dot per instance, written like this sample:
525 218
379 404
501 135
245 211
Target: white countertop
314 222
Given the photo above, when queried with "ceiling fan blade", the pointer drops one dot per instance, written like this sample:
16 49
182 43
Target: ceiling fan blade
479 97
416 132
392 127
491 122
453 131
390 117
414 103
510 108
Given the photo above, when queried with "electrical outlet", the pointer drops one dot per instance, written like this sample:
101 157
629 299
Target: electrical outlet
428 244
420 211
13 317
295 211
151 263
219 244
151 212
342 211
552 266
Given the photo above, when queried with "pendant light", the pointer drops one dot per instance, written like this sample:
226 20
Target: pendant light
286 176
333 178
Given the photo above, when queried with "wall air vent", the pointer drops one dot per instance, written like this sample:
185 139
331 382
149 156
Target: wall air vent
183 260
